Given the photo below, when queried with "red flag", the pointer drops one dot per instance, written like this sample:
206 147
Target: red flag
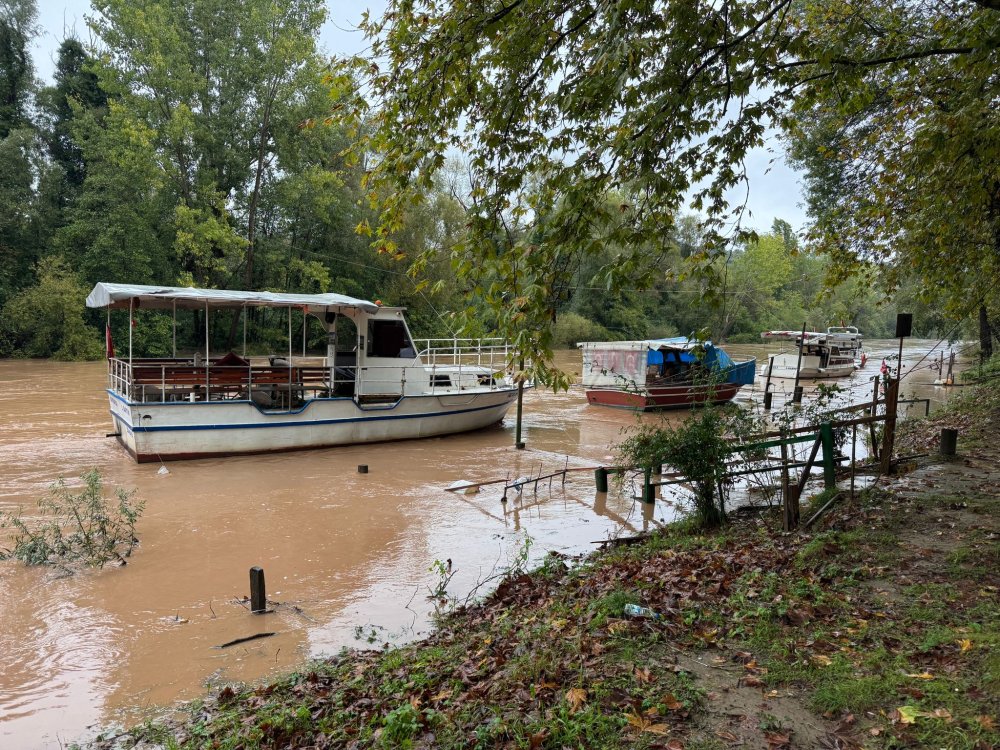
884 369
109 345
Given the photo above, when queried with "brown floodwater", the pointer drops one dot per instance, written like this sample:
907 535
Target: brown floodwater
347 556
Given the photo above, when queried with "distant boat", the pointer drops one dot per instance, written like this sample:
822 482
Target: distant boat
661 373
834 354
376 383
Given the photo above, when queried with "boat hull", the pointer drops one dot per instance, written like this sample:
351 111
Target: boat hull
181 430
668 397
810 369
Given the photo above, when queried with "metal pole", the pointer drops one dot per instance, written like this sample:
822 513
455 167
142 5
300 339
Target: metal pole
304 321
207 352
797 391
518 443
130 332
767 383
243 313
175 329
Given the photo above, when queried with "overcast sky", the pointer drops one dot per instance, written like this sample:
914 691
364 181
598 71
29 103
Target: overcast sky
774 188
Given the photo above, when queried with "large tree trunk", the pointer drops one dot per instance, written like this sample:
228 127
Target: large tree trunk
985 334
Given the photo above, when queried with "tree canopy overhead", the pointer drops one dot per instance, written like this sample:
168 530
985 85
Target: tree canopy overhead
606 118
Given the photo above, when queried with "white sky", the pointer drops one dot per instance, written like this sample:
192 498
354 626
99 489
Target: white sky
774 188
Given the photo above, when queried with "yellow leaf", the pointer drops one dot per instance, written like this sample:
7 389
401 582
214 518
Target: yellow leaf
922 676
908 714
966 644
576 697
558 624
441 696
821 660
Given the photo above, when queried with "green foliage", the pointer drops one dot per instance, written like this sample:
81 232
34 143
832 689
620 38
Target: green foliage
698 449
84 526
17 18
46 320
571 328
901 155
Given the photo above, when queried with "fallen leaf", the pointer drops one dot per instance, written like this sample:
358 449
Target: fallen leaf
671 702
644 724
728 736
986 722
940 713
909 714
642 674
922 676
776 740
441 696
576 697
965 644
821 660
538 739
751 681
675 744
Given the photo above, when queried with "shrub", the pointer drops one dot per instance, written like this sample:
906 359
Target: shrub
697 449
84 526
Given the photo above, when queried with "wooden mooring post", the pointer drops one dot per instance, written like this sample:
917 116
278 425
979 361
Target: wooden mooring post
889 431
258 597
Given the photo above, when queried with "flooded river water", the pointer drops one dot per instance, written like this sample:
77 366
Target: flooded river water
347 555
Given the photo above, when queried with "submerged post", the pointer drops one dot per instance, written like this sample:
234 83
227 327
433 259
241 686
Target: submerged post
258 598
601 479
518 443
648 491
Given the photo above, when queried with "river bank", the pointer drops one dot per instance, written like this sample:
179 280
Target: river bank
877 629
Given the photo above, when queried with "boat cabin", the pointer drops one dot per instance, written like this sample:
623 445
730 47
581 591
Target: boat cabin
371 355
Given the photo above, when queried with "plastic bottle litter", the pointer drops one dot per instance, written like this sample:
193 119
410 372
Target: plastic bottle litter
634 610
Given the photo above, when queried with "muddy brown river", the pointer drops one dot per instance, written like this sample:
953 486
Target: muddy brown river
346 555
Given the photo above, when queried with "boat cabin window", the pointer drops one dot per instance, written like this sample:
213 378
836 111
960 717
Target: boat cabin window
388 338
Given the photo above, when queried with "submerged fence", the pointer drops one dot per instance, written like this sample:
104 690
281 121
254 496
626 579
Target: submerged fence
822 437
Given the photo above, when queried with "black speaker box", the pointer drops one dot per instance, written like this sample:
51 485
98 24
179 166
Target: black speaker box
904 325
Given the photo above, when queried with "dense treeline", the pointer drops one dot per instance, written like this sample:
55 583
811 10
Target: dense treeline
197 144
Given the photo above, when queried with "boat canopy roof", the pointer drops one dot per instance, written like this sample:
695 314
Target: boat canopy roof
166 297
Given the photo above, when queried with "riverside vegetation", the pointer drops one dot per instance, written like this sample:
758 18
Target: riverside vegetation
878 628
75 527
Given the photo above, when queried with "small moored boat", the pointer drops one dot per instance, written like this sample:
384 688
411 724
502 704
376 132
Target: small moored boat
661 373
376 382
834 354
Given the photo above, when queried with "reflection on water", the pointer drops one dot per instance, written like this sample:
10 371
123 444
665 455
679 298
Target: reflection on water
339 549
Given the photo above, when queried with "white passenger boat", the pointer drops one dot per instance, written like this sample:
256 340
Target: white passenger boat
834 354
376 383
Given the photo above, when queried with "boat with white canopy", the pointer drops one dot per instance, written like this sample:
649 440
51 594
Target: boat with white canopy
835 353
376 383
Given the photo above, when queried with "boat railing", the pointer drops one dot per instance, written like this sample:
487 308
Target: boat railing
283 384
465 363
